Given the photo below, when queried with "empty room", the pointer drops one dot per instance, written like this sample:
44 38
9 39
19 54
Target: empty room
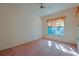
39 29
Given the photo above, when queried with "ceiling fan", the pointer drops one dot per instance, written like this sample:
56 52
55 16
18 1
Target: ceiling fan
42 6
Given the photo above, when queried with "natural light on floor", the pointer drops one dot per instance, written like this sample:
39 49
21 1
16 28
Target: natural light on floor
68 50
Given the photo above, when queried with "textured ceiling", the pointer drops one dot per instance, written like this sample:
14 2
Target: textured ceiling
35 7
50 7
54 7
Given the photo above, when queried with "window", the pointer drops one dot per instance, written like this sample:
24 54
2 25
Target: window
56 26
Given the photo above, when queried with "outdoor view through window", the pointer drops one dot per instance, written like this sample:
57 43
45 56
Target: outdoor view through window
56 26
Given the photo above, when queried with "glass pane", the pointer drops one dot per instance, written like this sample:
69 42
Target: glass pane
56 27
51 31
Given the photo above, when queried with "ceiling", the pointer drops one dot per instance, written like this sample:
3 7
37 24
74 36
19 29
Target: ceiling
54 7
35 7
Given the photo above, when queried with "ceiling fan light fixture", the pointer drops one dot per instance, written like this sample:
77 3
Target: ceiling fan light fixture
42 6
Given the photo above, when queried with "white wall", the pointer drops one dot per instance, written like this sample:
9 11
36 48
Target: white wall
70 30
1 18
18 26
